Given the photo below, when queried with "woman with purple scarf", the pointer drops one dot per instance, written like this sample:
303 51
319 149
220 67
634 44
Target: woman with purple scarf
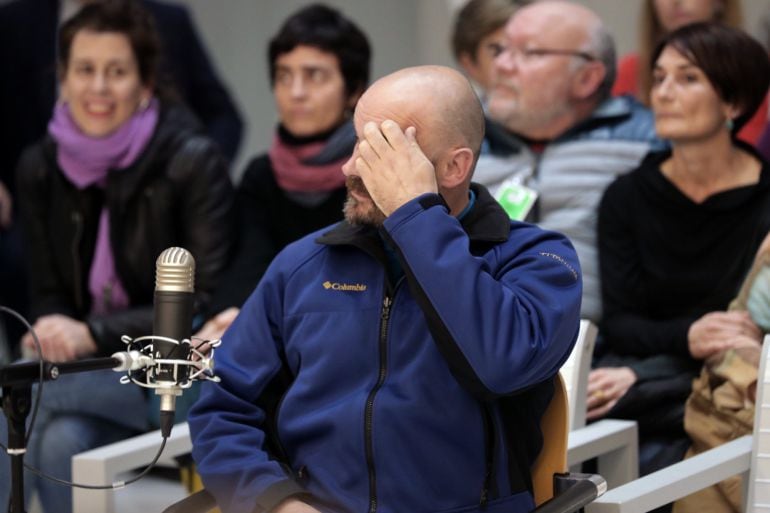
319 66
122 174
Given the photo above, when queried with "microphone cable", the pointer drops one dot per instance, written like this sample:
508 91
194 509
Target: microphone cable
114 486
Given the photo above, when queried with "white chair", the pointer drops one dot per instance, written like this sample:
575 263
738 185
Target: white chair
748 456
104 464
613 442
575 371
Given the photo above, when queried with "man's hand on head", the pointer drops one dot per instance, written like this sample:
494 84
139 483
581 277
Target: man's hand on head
392 165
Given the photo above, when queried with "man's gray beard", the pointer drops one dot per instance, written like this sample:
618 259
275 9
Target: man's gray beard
370 217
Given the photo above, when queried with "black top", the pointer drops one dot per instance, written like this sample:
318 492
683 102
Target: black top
268 220
665 260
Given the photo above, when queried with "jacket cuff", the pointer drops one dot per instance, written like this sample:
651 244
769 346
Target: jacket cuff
277 493
412 208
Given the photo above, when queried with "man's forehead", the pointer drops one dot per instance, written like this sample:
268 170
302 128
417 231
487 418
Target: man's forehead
544 25
377 109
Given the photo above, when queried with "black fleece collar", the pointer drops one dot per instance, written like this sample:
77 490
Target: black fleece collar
486 222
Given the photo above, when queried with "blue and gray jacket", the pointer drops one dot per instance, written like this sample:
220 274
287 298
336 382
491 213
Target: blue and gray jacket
358 393
571 173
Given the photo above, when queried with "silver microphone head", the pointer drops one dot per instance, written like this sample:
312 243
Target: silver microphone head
175 271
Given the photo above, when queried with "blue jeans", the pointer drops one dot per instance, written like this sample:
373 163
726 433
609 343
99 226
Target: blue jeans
78 412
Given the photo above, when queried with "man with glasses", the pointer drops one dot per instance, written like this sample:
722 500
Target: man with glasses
561 138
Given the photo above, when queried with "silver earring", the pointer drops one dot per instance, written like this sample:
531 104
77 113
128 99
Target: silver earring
729 124
144 103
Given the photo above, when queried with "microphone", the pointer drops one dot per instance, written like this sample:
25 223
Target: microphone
172 326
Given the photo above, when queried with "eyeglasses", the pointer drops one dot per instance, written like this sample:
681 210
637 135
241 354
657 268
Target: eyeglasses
528 54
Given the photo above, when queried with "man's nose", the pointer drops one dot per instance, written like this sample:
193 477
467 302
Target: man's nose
349 167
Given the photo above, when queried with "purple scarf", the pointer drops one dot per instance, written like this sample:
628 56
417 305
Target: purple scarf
85 161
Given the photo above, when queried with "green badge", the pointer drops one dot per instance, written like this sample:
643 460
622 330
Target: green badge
516 199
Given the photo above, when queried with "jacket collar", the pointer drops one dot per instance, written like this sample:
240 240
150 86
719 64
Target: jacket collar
487 222
615 109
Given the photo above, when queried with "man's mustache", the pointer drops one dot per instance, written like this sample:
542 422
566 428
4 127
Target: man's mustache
355 184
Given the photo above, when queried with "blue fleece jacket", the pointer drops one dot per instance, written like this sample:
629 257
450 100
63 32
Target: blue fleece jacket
356 394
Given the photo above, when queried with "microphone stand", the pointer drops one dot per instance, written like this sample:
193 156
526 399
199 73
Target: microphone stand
16 381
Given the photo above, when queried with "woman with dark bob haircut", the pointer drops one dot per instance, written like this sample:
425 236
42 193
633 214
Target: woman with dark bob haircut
122 174
678 235
319 66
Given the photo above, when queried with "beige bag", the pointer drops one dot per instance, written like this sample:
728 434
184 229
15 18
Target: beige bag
720 409
721 406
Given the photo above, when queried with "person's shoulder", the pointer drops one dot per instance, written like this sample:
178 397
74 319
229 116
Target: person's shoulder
631 183
530 240
176 125
301 252
258 171
19 17
36 162
625 118
18 9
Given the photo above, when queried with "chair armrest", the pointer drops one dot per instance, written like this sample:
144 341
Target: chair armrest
200 502
677 480
103 464
614 442
574 491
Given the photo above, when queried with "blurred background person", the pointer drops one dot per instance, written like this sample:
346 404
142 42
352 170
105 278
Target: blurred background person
28 31
478 35
660 17
764 37
560 138
122 174
678 235
319 66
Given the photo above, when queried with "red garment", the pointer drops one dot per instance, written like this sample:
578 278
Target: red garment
626 83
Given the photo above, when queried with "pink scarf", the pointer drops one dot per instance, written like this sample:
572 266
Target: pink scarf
304 168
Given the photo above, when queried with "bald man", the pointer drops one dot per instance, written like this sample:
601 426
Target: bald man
560 138
401 360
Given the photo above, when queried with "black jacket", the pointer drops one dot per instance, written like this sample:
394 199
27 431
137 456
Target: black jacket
268 220
177 193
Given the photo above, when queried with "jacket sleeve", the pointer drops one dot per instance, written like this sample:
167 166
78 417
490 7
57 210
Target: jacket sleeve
504 321
47 293
626 328
207 232
229 423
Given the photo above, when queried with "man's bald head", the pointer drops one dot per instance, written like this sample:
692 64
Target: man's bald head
448 122
438 101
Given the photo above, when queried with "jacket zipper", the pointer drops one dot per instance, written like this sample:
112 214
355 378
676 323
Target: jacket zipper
369 412
77 220
489 449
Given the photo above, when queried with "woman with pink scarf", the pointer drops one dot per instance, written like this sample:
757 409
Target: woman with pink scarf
122 174
319 66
